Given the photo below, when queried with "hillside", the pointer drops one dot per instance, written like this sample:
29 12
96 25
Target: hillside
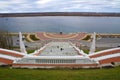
60 14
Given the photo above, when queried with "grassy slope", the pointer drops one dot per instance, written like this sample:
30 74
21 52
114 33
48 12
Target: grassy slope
60 74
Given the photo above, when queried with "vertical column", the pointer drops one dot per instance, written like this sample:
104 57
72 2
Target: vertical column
92 48
22 46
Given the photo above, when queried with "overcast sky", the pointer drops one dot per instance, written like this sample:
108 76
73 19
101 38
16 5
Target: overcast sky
20 6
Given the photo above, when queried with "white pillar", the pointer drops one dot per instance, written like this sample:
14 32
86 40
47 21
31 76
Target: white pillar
92 48
22 46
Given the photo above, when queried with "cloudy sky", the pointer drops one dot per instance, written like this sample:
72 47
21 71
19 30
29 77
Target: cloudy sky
20 6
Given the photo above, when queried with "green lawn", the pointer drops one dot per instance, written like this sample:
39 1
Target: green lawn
33 37
60 74
30 51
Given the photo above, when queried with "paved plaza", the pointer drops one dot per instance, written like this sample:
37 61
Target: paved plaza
59 49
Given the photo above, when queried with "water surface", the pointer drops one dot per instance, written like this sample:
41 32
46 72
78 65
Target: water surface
61 24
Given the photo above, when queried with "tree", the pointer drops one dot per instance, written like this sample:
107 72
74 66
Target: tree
6 40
